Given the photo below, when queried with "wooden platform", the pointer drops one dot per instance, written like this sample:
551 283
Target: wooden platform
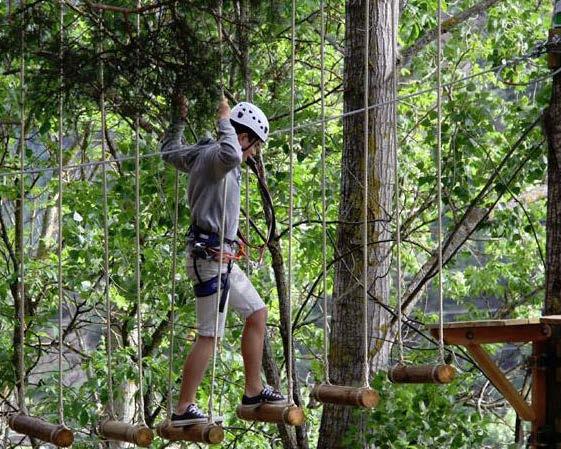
496 331
537 331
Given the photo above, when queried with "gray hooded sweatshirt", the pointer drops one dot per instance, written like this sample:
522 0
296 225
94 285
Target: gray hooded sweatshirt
208 163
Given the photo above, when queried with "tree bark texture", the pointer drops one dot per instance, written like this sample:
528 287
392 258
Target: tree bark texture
346 356
552 127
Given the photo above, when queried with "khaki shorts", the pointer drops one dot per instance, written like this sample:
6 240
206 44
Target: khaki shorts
242 296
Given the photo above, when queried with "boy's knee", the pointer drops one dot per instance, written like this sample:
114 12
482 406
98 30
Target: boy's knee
257 318
207 340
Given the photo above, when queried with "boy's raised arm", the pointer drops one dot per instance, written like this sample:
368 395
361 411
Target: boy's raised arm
228 153
172 148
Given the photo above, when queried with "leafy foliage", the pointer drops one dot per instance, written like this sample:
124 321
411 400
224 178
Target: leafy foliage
496 273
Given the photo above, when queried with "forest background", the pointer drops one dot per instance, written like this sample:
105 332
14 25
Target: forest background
496 270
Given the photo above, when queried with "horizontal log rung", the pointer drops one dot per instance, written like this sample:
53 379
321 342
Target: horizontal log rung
344 395
119 431
422 374
56 434
208 433
287 414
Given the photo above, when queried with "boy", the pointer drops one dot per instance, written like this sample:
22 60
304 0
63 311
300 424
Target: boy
209 163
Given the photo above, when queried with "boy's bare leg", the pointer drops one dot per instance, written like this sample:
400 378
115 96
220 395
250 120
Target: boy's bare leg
193 371
252 350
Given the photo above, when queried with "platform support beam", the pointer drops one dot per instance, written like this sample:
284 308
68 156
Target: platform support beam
494 334
501 383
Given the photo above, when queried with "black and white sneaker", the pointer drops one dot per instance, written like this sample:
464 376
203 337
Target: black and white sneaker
267 396
192 415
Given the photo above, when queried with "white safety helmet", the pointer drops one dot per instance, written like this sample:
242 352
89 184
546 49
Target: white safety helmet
249 115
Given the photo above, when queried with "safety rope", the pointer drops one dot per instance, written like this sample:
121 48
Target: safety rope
249 98
247 222
59 212
173 288
323 198
222 232
439 178
137 235
305 125
395 31
365 190
21 308
291 201
108 343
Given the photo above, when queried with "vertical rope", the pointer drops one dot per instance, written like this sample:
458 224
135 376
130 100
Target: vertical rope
137 236
323 198
439 179
217 310
291 200
59 211
249 98
247 223
222 231
220 46
395 31
105 226
365 182
21 309
173 287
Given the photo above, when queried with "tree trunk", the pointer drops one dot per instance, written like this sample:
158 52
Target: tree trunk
552 126
347 333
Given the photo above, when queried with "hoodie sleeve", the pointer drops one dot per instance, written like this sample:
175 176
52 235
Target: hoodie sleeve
173 151
227 153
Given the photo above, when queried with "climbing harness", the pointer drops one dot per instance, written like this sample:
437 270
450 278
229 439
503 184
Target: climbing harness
206 246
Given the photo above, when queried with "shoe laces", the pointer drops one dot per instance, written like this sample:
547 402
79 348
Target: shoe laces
270 391
192 408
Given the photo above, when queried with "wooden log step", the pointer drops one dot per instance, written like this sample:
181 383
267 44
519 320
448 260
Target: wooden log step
209 433
342 395
119 431
422 374
56 434
287 414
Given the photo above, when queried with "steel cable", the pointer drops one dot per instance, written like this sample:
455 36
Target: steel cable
137 235
59 212
366 136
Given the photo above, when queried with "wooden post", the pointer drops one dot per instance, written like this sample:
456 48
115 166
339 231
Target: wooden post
422 374
209 433
539 386
56 434
552 130
554 59
289 414
341 395
119 431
